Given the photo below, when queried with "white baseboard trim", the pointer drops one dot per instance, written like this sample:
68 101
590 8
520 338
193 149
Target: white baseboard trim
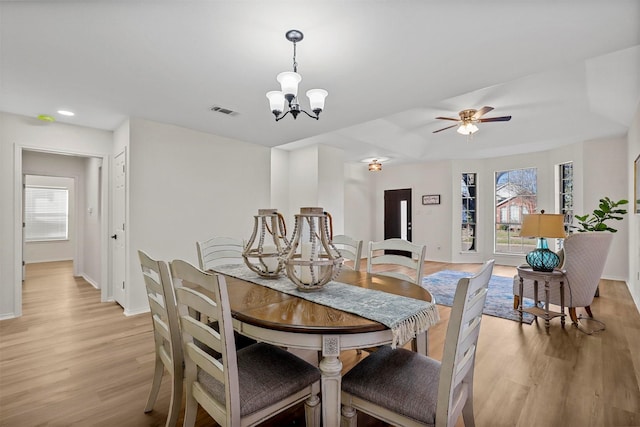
137 311
7 316
90 281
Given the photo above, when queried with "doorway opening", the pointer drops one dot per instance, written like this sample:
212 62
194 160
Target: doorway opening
397 216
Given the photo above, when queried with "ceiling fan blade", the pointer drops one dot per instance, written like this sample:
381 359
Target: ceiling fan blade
481 112
449 118
496 119
448 127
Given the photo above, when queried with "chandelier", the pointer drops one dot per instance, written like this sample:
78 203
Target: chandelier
375 166
289 84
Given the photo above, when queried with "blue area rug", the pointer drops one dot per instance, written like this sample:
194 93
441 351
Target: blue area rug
499 303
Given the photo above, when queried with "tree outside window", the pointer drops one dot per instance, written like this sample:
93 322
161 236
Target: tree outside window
515 196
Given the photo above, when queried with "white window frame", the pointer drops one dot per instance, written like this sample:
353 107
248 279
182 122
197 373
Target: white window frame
46 218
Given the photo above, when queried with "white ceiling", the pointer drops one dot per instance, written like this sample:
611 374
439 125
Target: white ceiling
566 70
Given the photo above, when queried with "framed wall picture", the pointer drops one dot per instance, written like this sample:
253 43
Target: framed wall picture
636 184
431 199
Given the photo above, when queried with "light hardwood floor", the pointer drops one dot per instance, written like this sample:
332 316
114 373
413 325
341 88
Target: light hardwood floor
71 360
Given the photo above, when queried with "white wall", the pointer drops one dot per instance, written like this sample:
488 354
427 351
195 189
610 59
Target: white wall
280 183
359 204
607 165
331 184
633 151
186 186
599 170
54 250
18 132
303 179
431 224
93 213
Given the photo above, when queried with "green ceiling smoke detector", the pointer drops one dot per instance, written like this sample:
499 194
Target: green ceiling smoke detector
46 118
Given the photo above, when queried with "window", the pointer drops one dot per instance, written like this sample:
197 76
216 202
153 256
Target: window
46 213
565 193
468 212
516 195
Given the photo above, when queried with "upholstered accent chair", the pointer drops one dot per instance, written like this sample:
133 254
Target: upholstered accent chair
166 334
585 255
242 387
405 388
350 249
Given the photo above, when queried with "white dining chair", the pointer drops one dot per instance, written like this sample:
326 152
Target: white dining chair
350 249
166 334
386 252
405 388
244 387
219 250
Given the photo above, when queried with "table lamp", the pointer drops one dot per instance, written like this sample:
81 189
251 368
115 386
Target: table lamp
542 226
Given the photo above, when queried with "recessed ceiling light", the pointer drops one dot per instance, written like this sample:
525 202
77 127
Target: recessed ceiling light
66 113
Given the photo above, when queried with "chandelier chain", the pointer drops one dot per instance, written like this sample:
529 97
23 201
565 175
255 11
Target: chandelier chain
295 63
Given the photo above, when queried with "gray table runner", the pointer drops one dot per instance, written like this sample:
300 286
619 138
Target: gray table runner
406 317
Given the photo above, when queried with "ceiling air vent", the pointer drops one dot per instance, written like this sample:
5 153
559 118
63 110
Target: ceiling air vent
222 110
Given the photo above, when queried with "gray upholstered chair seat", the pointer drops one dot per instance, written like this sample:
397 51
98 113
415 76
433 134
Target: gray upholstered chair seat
411 391
266 374
405 388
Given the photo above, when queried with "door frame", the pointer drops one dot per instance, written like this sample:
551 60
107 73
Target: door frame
409 229
105 289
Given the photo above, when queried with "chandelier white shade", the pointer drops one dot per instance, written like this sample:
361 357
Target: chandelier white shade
289 81
316 99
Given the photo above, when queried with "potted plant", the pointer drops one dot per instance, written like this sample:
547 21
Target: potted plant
596 221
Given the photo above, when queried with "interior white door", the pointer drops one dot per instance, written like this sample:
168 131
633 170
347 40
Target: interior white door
24 265
118 230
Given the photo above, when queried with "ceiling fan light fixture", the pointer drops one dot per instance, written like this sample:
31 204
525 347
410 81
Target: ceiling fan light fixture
375 166
467 129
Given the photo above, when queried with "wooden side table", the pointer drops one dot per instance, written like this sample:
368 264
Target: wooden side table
555 276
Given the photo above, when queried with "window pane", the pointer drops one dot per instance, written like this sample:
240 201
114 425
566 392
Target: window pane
566 193
46 213
516 195
468 242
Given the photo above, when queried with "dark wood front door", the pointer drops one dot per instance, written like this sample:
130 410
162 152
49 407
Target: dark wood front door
397 216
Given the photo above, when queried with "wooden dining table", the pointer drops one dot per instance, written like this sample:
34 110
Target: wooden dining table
271 316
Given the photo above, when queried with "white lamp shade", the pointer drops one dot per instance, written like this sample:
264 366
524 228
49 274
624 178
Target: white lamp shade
316 98
467 129
276 100
289 82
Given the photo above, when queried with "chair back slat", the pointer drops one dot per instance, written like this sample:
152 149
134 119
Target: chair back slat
414 262
349 248
218 251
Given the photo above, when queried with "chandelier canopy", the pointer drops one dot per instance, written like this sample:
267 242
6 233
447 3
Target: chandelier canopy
289 89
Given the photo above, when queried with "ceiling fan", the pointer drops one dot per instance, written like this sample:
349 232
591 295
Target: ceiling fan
468 119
